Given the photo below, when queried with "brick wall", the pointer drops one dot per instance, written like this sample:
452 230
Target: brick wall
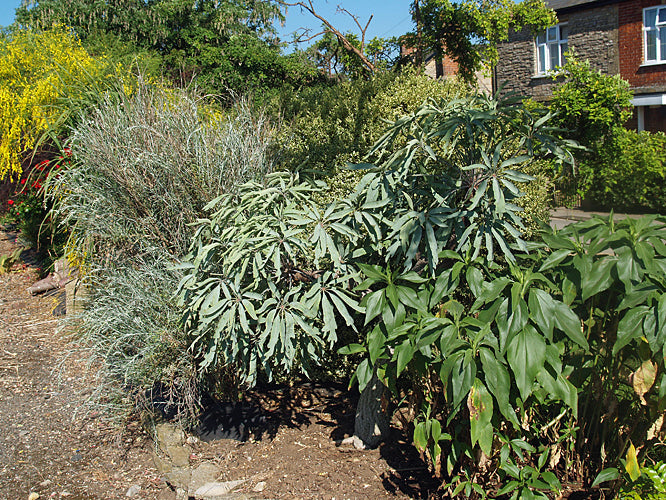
643 79
593 35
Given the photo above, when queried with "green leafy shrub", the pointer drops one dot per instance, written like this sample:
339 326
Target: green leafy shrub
29 210
628 173
331 126
269 289
514 361
590 104
651 485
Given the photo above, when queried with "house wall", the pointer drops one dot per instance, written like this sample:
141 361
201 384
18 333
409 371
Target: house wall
593 35
643 79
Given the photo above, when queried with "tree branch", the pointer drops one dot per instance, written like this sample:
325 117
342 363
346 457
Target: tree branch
341 38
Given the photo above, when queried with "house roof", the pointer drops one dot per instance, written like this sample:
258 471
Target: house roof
559 5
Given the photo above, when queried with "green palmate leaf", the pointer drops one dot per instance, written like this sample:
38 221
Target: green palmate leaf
363 374
548 313
560 388
491 290
508 324
351 349
526 354
376 343
554 259
499 383
374 304
630 327
475 280
403 354
480 405
628 267
598 277
610 474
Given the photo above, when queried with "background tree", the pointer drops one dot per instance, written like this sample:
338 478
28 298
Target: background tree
223 45
469 31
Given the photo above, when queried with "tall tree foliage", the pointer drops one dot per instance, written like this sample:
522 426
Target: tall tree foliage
229 43
469 31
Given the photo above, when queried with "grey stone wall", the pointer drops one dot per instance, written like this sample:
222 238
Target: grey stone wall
593 35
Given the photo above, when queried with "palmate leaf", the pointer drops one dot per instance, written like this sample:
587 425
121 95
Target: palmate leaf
499 384
526 354
480 404
548 313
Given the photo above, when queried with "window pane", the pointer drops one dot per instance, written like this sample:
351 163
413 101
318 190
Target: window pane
541 37
552 33
542 59
662 15
651 44
554 55
563 48
650 18
662 37
564 32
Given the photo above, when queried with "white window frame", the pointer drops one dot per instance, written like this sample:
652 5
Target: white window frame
659 31
546 43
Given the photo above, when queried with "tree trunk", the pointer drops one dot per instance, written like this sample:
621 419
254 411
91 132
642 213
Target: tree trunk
372 420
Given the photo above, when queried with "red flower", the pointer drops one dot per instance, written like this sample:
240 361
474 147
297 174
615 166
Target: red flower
36 185
10 202
22 181
67 151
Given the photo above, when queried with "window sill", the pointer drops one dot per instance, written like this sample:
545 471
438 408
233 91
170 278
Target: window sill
652 63
544 76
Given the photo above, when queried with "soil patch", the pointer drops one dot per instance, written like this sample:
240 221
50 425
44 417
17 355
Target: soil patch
50 447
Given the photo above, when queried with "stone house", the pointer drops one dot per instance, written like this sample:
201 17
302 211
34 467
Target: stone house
625 37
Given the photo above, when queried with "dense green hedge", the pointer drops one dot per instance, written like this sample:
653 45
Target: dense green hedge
628 173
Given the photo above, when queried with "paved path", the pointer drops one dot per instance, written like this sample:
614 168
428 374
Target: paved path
562 216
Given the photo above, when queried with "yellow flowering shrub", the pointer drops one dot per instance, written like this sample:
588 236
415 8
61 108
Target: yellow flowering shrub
37 71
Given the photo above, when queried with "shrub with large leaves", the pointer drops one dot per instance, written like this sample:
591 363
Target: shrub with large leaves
271 274
515 361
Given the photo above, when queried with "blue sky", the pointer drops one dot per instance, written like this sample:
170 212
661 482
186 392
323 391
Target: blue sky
391 17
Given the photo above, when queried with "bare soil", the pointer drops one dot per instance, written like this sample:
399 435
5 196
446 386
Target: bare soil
50 447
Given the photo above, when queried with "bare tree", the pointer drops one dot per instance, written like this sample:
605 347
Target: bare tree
359 52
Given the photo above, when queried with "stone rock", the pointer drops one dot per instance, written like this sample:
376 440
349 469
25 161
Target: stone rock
205 473
179 478
216 491
133 491
33 496
162 465
166 494
259 487
171 440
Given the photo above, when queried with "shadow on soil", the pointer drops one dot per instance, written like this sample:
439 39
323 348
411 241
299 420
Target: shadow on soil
270 408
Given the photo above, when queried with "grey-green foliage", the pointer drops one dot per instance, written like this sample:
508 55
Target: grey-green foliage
130 333
271 275
459 168
145 165
265 278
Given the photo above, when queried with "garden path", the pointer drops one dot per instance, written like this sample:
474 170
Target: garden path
47 447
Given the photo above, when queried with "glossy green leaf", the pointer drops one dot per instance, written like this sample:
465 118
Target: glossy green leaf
526 354
499 383
609 474
598 277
